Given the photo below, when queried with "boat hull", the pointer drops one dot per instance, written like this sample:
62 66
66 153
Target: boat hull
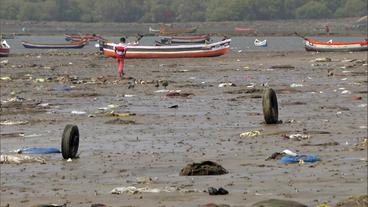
53 46
317 46
4 52
150 52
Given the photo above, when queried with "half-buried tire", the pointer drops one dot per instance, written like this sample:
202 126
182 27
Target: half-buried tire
270 107
70 141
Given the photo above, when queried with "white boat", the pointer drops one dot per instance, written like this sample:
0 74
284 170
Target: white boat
259 43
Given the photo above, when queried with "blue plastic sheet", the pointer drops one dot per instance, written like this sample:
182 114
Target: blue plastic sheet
295 159
39 150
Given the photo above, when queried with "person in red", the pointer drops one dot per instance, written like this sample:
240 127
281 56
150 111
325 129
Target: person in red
120 51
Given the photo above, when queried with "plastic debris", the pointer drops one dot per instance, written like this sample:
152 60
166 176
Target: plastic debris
119 114
69 160
134 190
297 137
8 123
221 85
20 158
324 59
295 85
78 112
287 159
362 105
345 92
144 180
37 150
252 133
5 78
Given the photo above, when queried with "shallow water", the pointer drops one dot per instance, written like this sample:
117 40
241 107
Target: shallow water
286 43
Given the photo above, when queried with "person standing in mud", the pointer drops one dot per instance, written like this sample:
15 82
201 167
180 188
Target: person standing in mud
120 51
327 29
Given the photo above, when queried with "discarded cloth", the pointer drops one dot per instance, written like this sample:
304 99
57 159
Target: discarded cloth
37 150
20 158
8 123
287 159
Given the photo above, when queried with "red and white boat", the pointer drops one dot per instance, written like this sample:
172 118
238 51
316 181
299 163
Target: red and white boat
179 51
4 49
330 46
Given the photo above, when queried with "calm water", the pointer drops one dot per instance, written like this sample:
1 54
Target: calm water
245 44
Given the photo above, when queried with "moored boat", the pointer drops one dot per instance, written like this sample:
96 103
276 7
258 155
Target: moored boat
4 48
180 51
164 30
184 39
330 46
259 43
78 37
73 45
244 29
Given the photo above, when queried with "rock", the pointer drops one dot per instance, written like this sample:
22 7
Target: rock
203 168
278 203
354 201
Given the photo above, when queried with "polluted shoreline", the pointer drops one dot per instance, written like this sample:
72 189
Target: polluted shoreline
186 132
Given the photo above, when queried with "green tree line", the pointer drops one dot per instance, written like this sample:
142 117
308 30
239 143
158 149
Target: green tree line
178 10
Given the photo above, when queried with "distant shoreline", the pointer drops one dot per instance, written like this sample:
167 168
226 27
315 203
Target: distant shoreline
338 27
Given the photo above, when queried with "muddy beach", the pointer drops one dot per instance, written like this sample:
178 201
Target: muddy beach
130 128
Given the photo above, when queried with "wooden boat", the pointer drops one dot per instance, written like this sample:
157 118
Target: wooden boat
78 37
184 39
330 46
259 43
164 30
244 29
73 45
180 51
4 48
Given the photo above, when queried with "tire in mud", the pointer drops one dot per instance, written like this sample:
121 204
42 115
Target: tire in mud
70 141
270 106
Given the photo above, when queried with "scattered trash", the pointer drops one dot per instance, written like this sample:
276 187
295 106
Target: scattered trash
295 85
252 133
354 201
78 112
356 98
128 95
37 150
69 160
4 62
282 67
20 158
119 114
221 85
8 123
50 205
70 141
134 190
144 180
325 59
278 203
297 137
220 191
120 122
5 78
173 107
362 105
172 94
61 89
279 155
345 92
203 168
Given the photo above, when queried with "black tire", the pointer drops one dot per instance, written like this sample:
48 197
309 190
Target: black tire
270 107
70 141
